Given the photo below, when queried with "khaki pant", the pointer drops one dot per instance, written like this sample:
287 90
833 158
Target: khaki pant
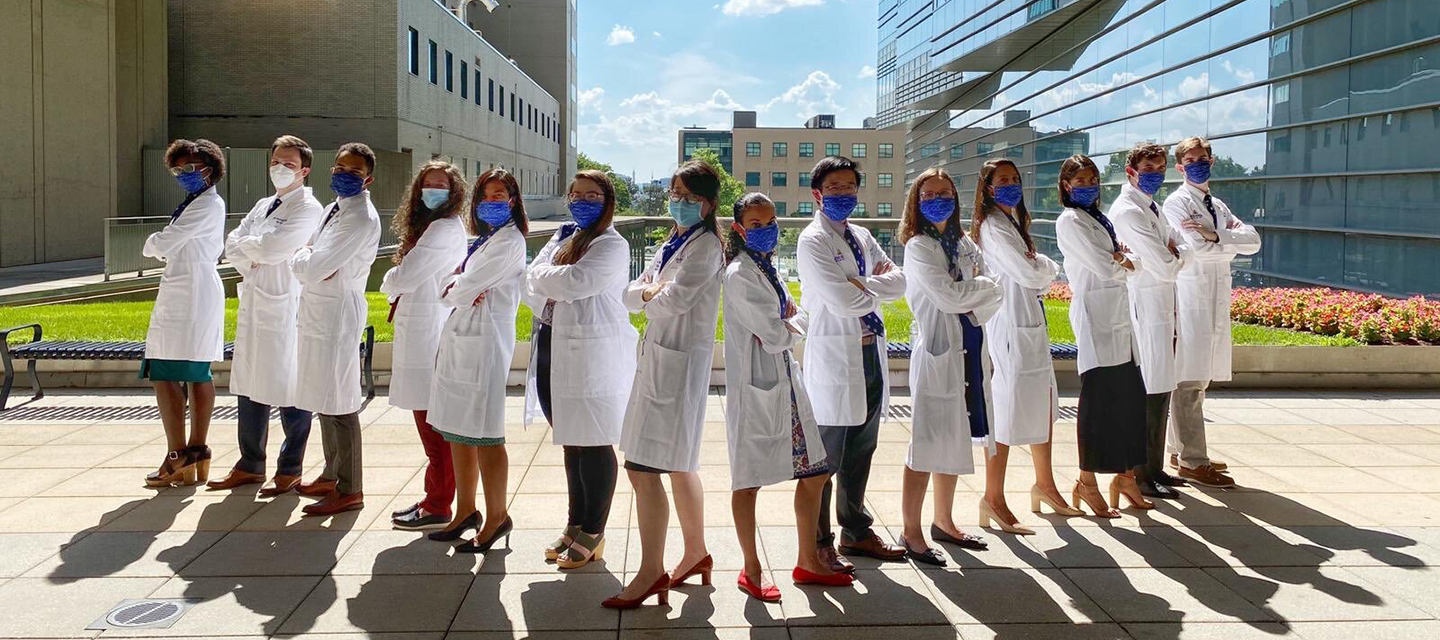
341 436
1187 424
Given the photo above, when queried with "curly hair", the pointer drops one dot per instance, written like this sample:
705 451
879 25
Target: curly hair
911 222
208 152
413 217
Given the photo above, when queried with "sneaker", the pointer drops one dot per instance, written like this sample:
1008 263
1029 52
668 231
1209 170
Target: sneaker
1208 476
420 520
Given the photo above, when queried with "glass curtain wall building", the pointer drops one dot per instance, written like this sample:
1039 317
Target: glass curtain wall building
1324 114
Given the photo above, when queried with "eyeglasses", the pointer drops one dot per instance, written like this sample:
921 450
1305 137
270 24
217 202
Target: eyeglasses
840 190
929 195
187 168
589 196
687 197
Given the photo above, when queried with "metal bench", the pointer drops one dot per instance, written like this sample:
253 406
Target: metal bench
1058 350
40 349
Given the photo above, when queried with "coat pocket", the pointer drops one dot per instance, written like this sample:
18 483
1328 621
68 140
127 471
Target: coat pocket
460 358
833 360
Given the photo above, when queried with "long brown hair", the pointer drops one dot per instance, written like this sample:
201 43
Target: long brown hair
704 181
911 222
575 248
1068 169
985 203
413 217
474 224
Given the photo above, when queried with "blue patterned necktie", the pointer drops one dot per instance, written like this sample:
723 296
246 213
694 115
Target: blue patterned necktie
273 206
870 320
184 203
1154 209
673 244
1105 222
1210 206
334 208
479 242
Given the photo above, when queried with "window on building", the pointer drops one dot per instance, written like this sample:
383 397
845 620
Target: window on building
779 149
804 178
780 209
778 178
512 106
1015 151
807 149
832 148
492 94
464 80
957 151
805 207
862 180
887 180
502 101
860 209
752 149
929 150
414 59
883 209
752 178
858 150
521 120
449 72
887 150
434 63
983 148
478 101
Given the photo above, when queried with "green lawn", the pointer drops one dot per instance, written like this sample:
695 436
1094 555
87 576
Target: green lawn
128 320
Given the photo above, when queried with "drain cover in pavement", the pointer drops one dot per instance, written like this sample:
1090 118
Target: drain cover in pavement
150 613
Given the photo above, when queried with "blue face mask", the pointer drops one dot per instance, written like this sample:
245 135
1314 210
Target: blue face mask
937 209
585 212
838 208
1084 196
1198 172
763 239
1009 195
1149 183
433 198
192 181
687 214
493 212
346 184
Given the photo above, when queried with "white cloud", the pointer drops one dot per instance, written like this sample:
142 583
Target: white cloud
620 35
816 94
655 33
765 7
866 71
590 99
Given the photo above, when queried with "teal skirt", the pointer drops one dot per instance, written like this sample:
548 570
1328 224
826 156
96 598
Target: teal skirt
470 442
175 370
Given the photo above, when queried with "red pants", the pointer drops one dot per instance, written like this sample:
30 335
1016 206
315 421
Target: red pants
439 473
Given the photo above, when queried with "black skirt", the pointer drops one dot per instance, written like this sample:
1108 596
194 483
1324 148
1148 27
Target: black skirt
1111 420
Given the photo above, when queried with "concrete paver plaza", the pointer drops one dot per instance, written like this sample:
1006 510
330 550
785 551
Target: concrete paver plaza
1333 533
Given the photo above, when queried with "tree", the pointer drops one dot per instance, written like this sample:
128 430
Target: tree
730 188
623 199
651 200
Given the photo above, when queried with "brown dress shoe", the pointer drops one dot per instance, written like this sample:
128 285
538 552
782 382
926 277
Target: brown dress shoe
837 563
236 478
335 503
279 486
318 488
875 548
1219 466
1208 476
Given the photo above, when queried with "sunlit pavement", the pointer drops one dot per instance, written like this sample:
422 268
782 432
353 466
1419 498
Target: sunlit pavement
1334 532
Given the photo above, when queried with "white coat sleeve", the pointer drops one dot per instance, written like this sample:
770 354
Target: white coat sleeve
164 243
488 267
1005 254
1243 240
634 296
529 296
432 254
889 285
348 238
700 268
1075 244
756 307
232 243
280 244
930 271
823 278
605 265
1144 241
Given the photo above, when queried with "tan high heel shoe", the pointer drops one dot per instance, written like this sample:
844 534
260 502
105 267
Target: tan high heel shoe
1089 495
1125 485
1038 497
988 515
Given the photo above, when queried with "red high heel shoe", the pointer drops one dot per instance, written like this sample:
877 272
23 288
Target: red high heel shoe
763 594
703 568
661 588
801 576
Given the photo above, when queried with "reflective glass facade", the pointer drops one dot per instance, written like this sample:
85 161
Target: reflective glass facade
1322 114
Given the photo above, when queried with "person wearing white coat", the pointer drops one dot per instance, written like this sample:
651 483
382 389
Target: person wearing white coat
844 278
1140 226
582 358
679 293
1110 422
263 371
188 322
769 423
1026 397
332 270
432 242
467 400
1203 296
952 298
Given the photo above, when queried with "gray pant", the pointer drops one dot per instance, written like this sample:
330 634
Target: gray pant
848 451
1157 413
341 436
1187 424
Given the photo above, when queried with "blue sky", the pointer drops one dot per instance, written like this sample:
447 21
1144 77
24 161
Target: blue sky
648 68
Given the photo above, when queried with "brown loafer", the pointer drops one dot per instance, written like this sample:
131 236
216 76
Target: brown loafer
875 548
279 486
1219 466
837 563
318 488
335 503
236 478
1208 476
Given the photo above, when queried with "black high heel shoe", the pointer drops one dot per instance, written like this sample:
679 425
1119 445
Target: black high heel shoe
965 541
451 535
502 531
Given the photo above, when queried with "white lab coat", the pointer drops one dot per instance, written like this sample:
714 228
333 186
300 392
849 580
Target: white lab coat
1203 290
332 270
1100 299
420 316
1026 396
478 340
264 366
758 349
1152 291
666 413
940 439
592 347
834 358
188 321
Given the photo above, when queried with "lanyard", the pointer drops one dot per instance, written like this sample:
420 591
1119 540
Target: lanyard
480 241
673 245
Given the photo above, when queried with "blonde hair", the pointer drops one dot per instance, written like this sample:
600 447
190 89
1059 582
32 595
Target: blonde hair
1189 144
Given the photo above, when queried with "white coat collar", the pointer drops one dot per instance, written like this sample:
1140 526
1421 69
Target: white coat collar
296 196
1137 196
1193 190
